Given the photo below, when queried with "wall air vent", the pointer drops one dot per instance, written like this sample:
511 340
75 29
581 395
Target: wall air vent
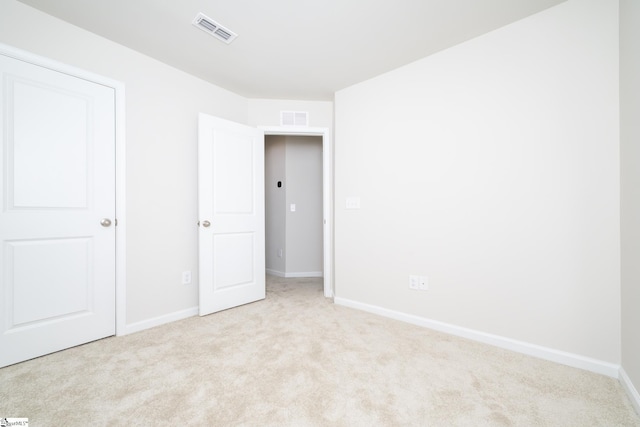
211 27
294 118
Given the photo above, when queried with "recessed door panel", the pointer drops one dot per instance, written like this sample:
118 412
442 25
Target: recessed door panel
49 279
47 145
233 258
233 173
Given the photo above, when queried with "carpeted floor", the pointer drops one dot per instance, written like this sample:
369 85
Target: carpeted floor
295 359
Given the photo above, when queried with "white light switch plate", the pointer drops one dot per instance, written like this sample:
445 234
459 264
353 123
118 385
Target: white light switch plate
353 203
293 207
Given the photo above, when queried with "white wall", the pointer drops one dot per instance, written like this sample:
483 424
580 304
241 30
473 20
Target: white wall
275 203
304 189
161 138
630 155
492 168
266 112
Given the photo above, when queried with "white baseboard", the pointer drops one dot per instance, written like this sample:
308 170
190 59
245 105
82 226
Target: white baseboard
570 359
632 392
275 273
298 274
160 320
304 274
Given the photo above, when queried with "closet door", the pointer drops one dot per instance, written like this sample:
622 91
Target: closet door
57 223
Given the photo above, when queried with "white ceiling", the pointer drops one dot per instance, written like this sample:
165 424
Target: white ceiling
291 49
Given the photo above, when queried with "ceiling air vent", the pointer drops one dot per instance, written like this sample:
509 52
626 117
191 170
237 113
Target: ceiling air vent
211 27
294 118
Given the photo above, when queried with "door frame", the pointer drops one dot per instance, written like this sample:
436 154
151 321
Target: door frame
327 192
120 158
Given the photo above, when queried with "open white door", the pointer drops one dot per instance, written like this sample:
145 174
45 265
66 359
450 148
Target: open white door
57 231
231 214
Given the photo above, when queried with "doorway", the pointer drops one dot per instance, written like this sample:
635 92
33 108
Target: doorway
326 221
293 205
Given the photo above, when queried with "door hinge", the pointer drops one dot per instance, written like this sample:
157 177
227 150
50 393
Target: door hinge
115 222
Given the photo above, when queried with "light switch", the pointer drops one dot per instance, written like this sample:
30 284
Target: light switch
293 207
353 203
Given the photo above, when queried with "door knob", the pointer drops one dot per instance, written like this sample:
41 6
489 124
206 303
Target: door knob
206 223
105 222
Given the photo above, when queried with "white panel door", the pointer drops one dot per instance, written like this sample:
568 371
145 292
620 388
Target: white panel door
57 184
231 212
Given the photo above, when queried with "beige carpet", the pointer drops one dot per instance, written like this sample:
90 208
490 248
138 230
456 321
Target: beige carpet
295 359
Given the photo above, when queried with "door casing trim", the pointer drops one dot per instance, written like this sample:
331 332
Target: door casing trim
327 192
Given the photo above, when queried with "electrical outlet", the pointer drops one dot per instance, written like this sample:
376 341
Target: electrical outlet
186 277
418 283
279 253
414 282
